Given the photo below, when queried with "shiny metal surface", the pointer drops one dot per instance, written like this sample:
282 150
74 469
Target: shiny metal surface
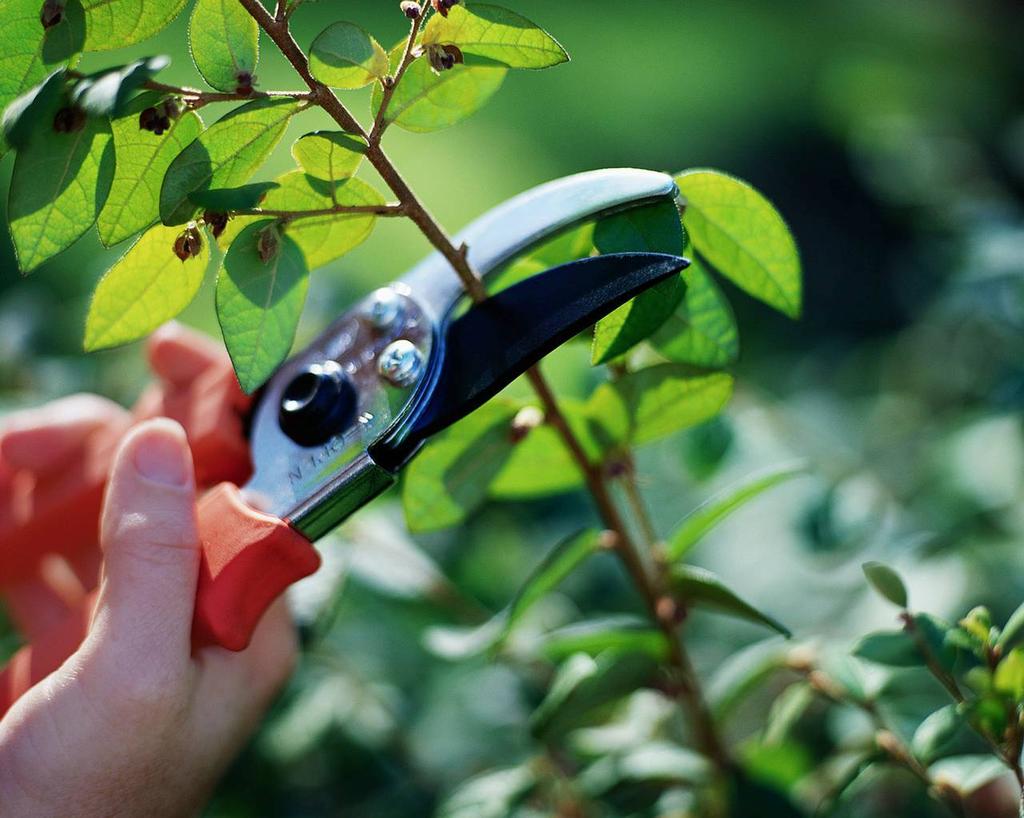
316 488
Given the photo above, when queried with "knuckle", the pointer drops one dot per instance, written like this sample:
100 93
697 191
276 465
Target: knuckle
155 531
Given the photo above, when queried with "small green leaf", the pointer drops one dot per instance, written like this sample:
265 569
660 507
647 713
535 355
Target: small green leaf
36 106
1009 676
702 330
424 101
324 238
967 774
891 648
226 155
108 92
59 184
933 735
785 712
706 516
244 197
584 683
656 762
668 398
742 674
497 34
557 564
450 477
142 160
493 794
224 40
887 582
28 52
540 465
330 155
655 228
978 623
743 236
146 287
1012 634
259 303
699 588
622 634
113 24
344 56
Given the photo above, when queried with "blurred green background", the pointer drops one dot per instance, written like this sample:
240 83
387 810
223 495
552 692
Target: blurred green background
891 136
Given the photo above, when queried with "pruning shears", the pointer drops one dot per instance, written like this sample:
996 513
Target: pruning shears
335 424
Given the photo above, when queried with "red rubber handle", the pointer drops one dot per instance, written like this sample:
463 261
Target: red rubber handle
249 558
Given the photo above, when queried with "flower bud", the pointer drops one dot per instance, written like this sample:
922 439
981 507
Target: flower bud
189 243
69 119
52 13
268 243
526 419
444 57
411 9
245 80
444 6
217 222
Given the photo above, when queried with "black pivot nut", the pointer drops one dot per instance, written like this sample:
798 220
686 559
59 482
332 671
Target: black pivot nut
319 402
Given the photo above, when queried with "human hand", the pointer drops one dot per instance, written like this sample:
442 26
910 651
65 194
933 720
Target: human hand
132 723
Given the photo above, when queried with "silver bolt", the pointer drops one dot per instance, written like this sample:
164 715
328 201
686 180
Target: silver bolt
384 308
401 364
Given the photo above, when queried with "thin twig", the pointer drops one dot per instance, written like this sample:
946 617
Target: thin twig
379 124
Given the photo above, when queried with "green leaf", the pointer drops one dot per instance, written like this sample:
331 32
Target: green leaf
743 236
224 40
59 184
699 588
887 582
1013 632
343 55
702 330
108 92
540 465
28 52
244 197
655 228
967 774
891 648
450 477
117 23
32 109
584 683
259 303
785 712
324 238
655 762
1009 675
934 734
497 34
710 513
667 398
226 155
490 795
142 160
557 564
330 155
622 634
424 101
146 287
743 673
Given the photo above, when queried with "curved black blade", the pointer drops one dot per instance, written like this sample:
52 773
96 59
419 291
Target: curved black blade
496 341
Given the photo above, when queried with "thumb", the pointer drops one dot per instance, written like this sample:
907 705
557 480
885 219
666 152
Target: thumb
150 544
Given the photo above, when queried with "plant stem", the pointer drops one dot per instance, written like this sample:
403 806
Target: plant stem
379 123
690 693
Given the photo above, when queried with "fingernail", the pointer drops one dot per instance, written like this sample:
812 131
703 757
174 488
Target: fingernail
161 454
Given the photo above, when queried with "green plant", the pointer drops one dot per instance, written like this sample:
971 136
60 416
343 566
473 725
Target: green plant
119 149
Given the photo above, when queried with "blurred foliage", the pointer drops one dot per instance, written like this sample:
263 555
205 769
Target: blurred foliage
892 138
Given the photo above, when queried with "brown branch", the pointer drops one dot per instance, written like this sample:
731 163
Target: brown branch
690 693
197 98
377 131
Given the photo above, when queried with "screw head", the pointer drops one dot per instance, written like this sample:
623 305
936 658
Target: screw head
384 309
401 364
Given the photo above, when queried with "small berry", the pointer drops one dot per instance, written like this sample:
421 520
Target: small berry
189 243
217 222
444 57
52 13
411 9
68 120
245 80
